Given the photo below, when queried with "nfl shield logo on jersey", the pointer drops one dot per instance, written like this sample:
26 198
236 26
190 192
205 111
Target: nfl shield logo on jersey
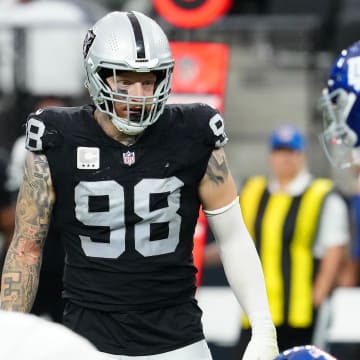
129 158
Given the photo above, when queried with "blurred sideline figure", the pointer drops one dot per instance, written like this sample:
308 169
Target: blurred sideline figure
351 277
300 227
26 336
340 105
7 211
123 180
48 301
305 352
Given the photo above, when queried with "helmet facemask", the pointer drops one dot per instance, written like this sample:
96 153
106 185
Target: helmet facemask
149 108
337 138
128 42
340 103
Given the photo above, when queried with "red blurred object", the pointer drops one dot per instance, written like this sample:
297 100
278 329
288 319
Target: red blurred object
200 72
192 13
200 75
199 67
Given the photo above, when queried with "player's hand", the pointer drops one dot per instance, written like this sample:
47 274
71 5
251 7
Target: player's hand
262 346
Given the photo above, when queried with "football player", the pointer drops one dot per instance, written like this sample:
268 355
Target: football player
123 180
340 104
306 352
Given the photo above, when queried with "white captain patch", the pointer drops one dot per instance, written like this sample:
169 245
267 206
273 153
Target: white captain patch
88 157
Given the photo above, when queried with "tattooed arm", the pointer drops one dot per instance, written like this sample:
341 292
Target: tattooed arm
21 269
217 188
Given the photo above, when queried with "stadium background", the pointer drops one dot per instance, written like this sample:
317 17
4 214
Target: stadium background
279 55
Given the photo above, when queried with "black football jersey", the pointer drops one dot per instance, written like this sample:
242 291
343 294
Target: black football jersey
127 214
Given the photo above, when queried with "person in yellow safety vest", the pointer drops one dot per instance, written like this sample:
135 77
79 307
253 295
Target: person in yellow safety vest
300 226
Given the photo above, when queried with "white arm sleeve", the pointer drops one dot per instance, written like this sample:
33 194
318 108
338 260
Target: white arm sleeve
240 260
244 272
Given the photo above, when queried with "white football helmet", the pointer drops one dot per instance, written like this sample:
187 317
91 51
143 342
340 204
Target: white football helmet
41 339
127 41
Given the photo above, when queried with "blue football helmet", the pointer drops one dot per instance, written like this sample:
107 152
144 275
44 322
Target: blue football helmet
340 104
306 352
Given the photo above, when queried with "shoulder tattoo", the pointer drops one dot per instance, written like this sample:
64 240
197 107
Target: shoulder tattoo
217 169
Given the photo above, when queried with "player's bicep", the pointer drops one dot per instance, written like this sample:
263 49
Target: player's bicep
35 200
217 188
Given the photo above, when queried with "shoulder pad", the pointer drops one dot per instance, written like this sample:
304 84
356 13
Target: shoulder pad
41 133
215 127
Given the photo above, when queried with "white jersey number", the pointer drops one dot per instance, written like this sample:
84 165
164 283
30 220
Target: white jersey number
217 126
34 131
114 216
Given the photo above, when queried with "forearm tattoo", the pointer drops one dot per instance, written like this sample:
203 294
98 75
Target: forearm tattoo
217 169
23 260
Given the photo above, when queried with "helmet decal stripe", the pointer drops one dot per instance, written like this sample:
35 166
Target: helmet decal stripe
89 39
139 39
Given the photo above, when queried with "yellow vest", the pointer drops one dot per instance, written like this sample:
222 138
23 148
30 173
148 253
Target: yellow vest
284 228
